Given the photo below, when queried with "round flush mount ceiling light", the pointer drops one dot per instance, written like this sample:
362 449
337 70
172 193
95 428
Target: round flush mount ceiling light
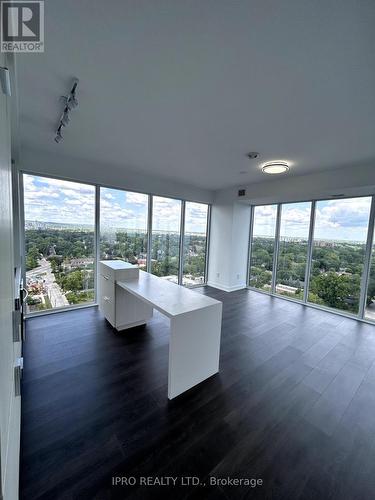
275 167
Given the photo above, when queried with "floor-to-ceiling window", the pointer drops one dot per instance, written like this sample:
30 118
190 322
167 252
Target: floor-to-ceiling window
339 247
59 242
322 252
123 226
195 242
293 249
61 224
165 245
262 246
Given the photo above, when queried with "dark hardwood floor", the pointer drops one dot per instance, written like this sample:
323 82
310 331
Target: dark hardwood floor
293 405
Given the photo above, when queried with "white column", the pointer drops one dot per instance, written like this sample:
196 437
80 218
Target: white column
229 241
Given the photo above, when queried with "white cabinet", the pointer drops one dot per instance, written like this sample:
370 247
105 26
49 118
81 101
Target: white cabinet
122 310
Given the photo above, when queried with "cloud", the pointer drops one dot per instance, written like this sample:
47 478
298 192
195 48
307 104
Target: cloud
345 219
108 196
195 217
53 200
265 220
166 214
117 212
136 198
295 220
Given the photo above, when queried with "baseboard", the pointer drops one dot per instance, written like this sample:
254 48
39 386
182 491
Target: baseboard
225 288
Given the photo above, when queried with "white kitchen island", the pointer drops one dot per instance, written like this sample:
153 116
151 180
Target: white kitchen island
195 325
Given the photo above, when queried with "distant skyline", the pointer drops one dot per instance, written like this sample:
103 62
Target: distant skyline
66 202
37 224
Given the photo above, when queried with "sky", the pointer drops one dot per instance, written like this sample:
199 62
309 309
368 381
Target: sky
54 200
344 219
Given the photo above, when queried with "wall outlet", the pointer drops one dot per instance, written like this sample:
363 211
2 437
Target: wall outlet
217 275
238 276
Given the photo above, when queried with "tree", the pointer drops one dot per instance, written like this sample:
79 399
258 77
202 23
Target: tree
260 277
32 258
338 291
73 281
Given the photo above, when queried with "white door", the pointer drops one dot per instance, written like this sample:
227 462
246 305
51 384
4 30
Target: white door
10 346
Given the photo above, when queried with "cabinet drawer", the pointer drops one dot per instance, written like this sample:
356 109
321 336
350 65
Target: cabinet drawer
106 272
118 270
106 287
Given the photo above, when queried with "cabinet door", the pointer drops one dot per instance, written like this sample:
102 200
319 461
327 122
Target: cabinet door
107 299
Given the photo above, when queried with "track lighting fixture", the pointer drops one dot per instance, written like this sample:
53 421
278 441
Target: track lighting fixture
70 102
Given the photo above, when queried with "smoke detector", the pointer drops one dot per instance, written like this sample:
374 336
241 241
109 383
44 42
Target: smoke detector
253 155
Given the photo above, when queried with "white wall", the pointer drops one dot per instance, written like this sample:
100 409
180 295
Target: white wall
229 239
9 404
108 175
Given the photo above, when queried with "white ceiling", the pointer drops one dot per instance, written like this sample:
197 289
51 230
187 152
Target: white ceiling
184 89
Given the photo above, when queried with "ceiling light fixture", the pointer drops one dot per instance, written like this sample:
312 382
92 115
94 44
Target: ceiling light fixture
275 167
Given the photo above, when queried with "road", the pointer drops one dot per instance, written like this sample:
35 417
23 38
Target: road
53 290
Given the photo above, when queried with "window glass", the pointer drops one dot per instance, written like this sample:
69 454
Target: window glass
195 239
263 246
338 253
123 226
293 247
59 241
166 219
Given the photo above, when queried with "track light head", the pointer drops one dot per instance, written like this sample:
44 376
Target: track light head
65 117
73 101
58 136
